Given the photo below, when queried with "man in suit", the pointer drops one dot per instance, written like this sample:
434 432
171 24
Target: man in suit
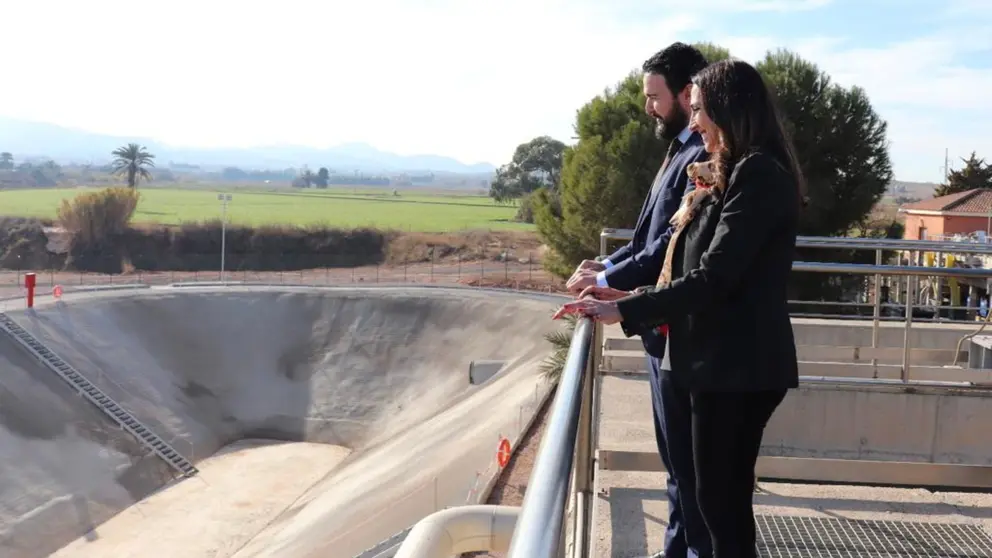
667 86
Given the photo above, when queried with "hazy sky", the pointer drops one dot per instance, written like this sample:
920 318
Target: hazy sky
466 78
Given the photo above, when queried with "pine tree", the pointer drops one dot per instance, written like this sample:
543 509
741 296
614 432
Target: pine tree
975 174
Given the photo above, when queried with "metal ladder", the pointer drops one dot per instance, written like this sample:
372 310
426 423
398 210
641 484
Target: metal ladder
85 388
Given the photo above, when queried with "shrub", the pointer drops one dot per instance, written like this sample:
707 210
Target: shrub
197 246
98 222
94 218
525 212
561 341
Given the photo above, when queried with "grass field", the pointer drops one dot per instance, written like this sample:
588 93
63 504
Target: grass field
337 207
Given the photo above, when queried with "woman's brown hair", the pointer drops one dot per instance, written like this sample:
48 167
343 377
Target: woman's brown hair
738 101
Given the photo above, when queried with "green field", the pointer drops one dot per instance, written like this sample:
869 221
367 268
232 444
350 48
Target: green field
337 207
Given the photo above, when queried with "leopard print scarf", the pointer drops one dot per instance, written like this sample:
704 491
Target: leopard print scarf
686 213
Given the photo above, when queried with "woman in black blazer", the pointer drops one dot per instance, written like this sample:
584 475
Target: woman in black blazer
721 297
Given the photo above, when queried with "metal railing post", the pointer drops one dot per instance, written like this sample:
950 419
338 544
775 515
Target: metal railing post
939 288
876 314
910 284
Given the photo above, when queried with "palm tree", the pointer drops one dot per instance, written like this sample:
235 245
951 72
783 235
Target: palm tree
133 160
560 340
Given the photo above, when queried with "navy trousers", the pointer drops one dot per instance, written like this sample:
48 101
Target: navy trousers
686 535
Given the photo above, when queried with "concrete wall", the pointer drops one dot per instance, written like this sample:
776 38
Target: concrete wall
66 467
933 224
338 368
878 423
857 333
380 371
884 423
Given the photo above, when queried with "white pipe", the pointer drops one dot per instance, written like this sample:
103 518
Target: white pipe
461 529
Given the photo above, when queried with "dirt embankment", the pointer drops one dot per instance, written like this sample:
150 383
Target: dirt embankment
30 244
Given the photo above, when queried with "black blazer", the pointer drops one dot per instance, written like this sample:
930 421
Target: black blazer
727 307
638 262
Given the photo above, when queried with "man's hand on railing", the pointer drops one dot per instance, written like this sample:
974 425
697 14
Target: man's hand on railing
603 293
591 265
584 276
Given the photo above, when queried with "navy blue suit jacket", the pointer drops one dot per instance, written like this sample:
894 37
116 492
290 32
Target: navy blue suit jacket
638 263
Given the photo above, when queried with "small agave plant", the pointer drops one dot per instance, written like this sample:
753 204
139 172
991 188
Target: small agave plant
560 340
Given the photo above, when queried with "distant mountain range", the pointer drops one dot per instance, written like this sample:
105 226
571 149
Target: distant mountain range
66 145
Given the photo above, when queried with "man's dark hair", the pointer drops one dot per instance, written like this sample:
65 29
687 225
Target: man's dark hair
677 63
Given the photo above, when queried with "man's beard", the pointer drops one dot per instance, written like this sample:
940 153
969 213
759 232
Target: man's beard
669 127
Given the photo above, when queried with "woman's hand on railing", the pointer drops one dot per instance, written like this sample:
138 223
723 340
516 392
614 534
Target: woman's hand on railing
604 312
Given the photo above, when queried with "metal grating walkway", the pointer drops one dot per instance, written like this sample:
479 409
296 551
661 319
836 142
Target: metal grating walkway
815 537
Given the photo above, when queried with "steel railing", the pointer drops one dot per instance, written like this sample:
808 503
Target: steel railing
842 243
911 272
540 528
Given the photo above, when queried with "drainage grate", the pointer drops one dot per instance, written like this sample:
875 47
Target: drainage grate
815 537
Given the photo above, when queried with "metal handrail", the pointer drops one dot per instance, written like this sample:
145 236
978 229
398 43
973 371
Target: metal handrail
901 270
844 242
540 525
913 273
892 244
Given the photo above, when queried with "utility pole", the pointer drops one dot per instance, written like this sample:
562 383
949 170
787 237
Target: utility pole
947 167
224 199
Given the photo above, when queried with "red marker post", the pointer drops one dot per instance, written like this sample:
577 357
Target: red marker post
29 283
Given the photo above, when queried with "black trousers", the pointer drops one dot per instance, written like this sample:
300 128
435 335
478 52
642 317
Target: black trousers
726 436
686 535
